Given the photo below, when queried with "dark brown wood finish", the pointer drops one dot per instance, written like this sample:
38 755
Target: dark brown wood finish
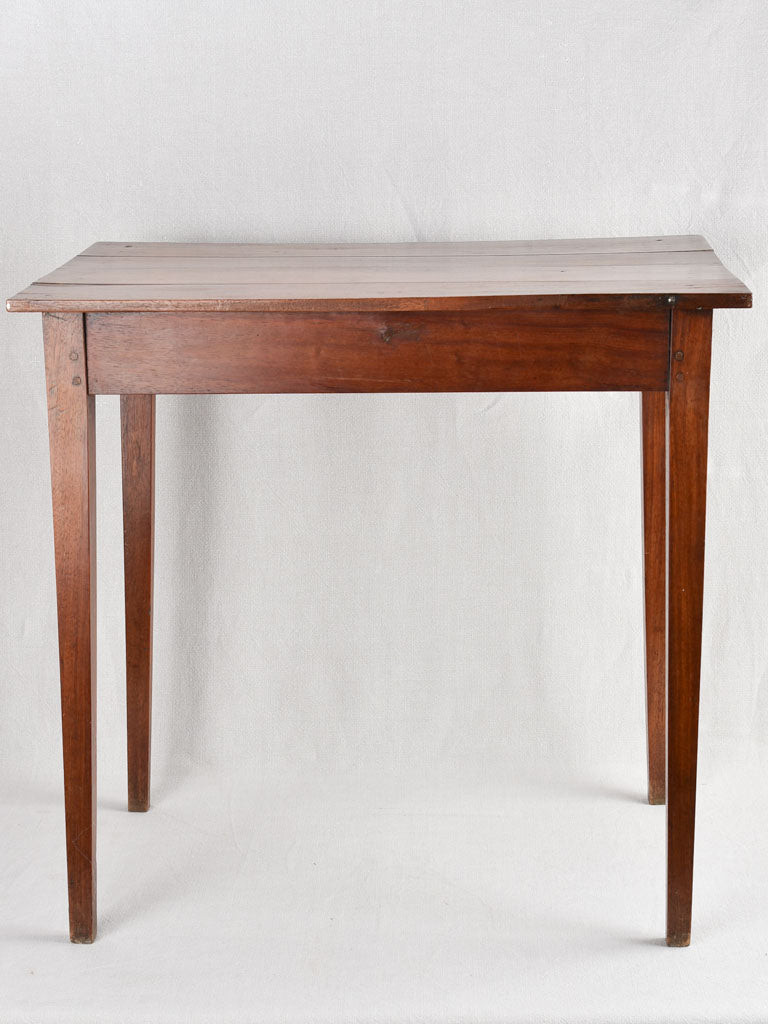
137 415
654 429
71 428
687 494
586 314
580 273
542 350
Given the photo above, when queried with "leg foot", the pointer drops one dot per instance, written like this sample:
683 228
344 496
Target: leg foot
681 940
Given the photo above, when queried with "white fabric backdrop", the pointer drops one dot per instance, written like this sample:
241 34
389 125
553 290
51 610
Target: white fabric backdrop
386 605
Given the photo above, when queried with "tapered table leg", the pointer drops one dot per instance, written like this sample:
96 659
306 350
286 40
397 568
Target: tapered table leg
71 425
688 415
137 414
654 423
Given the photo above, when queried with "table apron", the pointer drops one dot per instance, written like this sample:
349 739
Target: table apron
558 349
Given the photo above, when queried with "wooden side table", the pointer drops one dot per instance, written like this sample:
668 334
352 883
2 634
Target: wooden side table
137 320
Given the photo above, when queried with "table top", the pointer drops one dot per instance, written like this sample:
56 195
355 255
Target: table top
202 276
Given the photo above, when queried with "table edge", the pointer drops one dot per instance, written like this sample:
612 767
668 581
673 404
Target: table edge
735 299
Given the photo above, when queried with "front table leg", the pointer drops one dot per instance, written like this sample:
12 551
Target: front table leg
71 424
687 417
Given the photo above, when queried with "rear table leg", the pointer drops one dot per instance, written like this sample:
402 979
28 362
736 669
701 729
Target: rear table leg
655 572
137 415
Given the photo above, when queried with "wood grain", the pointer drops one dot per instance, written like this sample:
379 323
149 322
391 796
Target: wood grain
71 426
565 246
654 428
698 269
137 415
115 276
265 353
687 483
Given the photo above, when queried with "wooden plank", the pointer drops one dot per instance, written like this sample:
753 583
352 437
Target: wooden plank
649 243
137 417
303 353
601 269
687 489
71 426
250 298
